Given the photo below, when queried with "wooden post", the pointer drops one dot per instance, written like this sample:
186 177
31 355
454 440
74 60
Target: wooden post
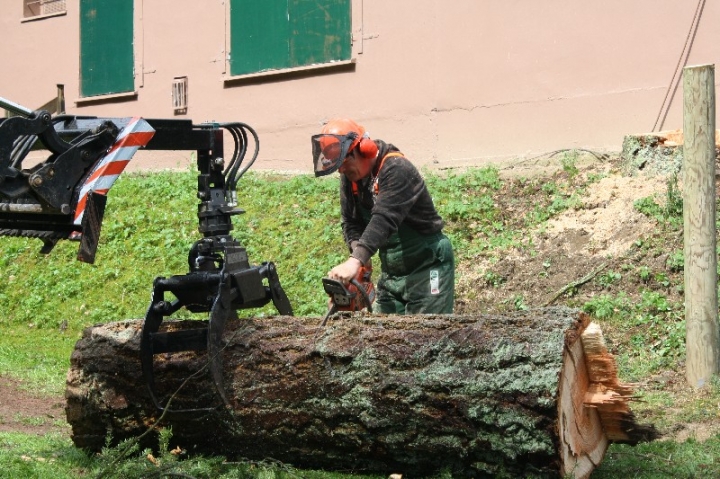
701 302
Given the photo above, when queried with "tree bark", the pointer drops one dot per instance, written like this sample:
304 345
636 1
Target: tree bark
475 395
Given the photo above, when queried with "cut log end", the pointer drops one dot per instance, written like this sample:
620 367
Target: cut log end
610 397
594 406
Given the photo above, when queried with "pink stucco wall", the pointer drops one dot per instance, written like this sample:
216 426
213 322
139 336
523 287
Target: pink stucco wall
451 83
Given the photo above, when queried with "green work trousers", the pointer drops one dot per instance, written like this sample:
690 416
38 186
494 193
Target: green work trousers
418 274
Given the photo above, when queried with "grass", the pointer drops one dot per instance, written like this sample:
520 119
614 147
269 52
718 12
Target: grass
55 457
655 326
150 224
41 457
38 357
663 459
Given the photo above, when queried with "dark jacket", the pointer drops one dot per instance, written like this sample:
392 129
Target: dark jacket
402 198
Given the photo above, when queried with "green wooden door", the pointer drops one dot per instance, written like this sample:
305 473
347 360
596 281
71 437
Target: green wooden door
106 47
277 34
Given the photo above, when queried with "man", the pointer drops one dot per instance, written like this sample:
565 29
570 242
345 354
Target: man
387 208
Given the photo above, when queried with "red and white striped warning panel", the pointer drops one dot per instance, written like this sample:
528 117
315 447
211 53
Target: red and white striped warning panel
137 133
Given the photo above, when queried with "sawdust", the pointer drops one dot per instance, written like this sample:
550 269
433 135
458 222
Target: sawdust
607 222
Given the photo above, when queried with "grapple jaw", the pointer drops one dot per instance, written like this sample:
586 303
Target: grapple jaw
216 286
220 280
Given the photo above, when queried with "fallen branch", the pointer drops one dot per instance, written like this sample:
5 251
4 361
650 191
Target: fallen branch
575 284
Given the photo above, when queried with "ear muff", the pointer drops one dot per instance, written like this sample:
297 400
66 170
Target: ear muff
367 148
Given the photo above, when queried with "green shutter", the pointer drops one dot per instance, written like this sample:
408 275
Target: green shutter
258 38
106 47
319 31
278 34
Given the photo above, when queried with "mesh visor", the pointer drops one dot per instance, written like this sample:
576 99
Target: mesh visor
329 152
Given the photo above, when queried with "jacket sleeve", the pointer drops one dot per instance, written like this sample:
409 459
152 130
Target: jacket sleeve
352 222
400 186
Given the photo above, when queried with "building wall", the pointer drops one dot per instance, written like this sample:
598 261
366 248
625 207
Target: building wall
450 83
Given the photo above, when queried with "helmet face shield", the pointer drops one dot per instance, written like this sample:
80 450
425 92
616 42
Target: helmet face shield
329 151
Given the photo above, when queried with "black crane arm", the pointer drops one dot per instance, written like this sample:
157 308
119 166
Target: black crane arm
63 197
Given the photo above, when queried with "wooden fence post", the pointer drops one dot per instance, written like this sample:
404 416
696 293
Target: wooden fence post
701 299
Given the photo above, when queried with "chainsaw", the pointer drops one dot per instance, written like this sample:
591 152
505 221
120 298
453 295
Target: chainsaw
357 295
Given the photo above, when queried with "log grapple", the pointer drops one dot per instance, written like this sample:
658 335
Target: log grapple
64 197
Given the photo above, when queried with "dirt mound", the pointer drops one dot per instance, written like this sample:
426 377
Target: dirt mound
568 250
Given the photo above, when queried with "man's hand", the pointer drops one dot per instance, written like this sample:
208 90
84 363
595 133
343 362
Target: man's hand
345 271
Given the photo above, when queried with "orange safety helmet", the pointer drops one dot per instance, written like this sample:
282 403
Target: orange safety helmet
337 139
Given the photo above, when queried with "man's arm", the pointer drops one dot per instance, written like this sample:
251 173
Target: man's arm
400 186
352 222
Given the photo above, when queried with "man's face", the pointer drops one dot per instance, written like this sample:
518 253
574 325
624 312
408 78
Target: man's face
355 167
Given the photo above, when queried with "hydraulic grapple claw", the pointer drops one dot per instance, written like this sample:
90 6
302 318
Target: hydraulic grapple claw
217 292
219 315
220 279
154 342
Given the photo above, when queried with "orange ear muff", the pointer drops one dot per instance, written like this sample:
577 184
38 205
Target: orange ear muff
368 149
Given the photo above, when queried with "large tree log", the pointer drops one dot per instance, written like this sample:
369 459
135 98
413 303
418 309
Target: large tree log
476 395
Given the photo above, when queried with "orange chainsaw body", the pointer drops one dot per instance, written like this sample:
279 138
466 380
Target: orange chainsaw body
357 295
